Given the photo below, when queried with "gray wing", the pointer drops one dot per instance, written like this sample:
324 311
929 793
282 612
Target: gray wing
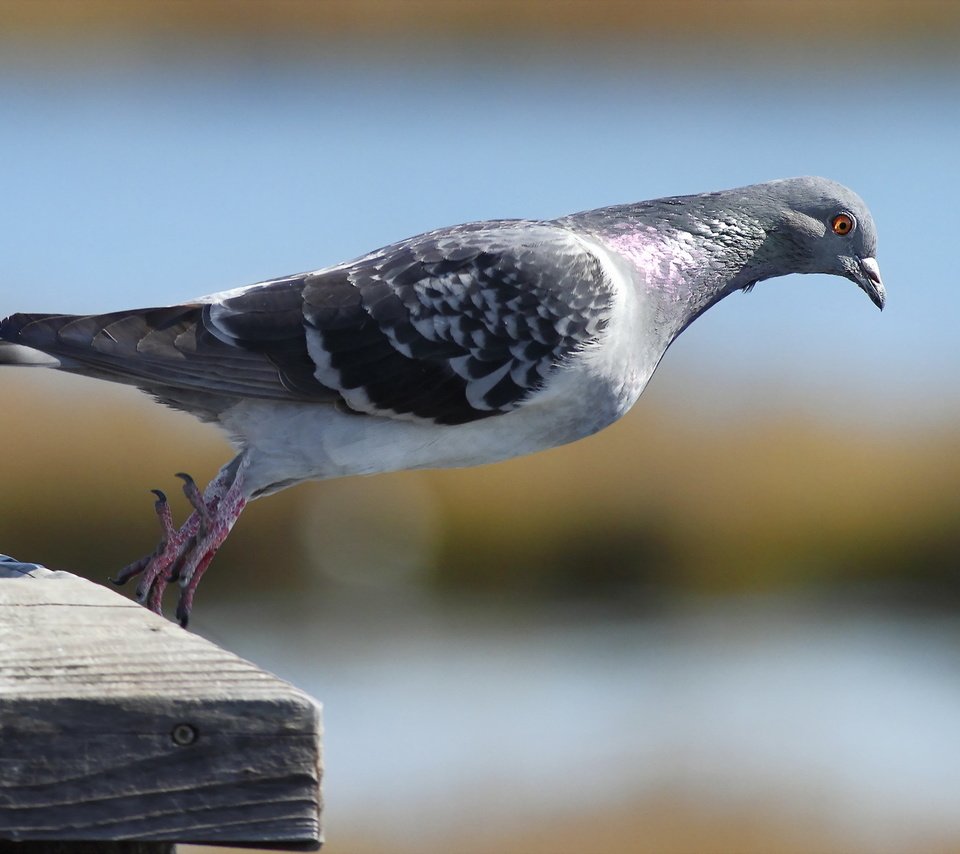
450 326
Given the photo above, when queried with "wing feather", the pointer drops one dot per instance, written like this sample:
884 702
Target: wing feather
490 309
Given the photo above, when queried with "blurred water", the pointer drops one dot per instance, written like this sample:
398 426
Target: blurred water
819 709
128 181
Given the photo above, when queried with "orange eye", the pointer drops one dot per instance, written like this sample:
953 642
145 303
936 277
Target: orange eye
842 224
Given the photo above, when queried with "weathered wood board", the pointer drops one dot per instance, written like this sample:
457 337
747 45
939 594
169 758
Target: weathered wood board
116 724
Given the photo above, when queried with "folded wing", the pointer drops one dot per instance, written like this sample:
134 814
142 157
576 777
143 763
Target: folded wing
450 326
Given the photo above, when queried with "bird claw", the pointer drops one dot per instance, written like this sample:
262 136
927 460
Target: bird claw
195 497
184 607
183 555
165 515
176 567
130 570
162 508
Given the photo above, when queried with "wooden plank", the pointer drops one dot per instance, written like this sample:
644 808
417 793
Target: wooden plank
116 724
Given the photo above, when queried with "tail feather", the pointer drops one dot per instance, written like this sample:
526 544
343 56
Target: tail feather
150 348
24 351
164 351
36 340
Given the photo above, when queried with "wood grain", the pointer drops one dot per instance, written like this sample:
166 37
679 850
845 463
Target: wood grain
115 724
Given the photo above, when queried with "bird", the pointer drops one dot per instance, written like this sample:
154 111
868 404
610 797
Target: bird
457 347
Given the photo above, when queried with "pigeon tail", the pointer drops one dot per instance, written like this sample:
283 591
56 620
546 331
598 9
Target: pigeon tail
14 351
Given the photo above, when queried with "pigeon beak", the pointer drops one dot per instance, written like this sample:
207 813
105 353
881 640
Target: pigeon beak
867 276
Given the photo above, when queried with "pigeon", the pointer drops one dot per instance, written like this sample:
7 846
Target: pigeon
457 347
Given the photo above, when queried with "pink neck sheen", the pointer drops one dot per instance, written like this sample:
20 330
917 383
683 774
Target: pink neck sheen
664 263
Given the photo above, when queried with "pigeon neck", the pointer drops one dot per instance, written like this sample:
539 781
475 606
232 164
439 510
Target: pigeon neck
680 275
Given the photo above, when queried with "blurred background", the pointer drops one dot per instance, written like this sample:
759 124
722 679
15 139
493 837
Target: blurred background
730 622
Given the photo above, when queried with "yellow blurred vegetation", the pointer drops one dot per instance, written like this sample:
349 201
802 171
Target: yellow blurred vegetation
858 26
653 503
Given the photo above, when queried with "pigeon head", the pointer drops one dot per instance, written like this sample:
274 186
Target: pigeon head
819 226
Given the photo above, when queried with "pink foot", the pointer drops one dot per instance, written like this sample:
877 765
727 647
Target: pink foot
183 555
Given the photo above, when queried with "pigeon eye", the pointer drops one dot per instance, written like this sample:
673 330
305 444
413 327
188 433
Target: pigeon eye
842 224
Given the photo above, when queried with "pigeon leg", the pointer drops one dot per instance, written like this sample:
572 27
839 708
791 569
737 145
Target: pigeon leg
168 534
196 500
166 525
227 513
161 565
180 553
